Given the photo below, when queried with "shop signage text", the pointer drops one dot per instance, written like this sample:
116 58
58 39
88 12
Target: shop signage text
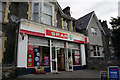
55 34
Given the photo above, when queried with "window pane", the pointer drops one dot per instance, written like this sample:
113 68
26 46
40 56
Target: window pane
47 9
36 7
94 48
94 32
0 42
47 19
65 25
98 53
97 48
35 17
36 12
2 8
94 53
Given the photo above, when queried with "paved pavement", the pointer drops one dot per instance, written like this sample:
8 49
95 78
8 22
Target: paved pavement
64 74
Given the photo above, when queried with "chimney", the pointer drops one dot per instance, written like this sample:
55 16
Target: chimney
67 11
104 24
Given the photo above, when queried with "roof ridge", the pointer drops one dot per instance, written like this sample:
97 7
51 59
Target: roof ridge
86 15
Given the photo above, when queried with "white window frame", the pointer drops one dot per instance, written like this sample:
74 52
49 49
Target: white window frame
41 12
93 31
2 11
53 10
96 51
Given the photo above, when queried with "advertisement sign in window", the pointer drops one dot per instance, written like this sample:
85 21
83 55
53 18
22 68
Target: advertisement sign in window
46 60
113 73
77 57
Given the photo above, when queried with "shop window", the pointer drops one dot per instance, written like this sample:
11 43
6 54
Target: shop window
46 56
94 31
42 56
76 57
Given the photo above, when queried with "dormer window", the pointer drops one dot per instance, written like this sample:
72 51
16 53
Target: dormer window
65 25
94 31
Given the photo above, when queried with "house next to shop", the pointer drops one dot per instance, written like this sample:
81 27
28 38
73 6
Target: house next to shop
91 27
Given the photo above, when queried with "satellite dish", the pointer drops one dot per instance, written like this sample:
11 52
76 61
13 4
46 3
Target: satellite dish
14 18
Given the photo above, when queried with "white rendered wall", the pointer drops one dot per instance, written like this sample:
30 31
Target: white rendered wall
22 52
83 57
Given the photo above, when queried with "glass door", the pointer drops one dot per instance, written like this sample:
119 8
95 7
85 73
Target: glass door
69 60
54 60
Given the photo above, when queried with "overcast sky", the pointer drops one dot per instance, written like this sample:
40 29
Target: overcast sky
104 9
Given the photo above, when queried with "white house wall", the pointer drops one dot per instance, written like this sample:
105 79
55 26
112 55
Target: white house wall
96 39
22 52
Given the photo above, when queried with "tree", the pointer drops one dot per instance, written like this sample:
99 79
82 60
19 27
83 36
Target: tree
115 22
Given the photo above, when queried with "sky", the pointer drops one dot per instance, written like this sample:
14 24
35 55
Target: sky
104 9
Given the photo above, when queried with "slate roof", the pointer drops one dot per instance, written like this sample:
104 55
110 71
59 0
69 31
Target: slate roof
82 22
107 31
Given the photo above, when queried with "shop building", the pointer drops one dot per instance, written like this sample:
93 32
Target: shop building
46 37
50 47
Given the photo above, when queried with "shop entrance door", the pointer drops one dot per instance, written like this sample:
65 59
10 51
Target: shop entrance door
61 59
54 60
69 60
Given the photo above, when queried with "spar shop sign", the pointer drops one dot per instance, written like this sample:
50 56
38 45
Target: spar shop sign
113 73
58 35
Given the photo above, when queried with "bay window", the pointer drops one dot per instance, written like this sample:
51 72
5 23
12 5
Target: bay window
36 12
43 13
47 19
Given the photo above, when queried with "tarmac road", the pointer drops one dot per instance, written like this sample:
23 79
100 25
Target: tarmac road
88 74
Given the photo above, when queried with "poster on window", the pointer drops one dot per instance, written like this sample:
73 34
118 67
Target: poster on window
77 52
46 60
77 60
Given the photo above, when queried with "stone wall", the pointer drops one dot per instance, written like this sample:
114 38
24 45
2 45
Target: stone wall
8 71
102 63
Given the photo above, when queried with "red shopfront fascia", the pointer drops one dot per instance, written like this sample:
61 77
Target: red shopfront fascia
53 34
